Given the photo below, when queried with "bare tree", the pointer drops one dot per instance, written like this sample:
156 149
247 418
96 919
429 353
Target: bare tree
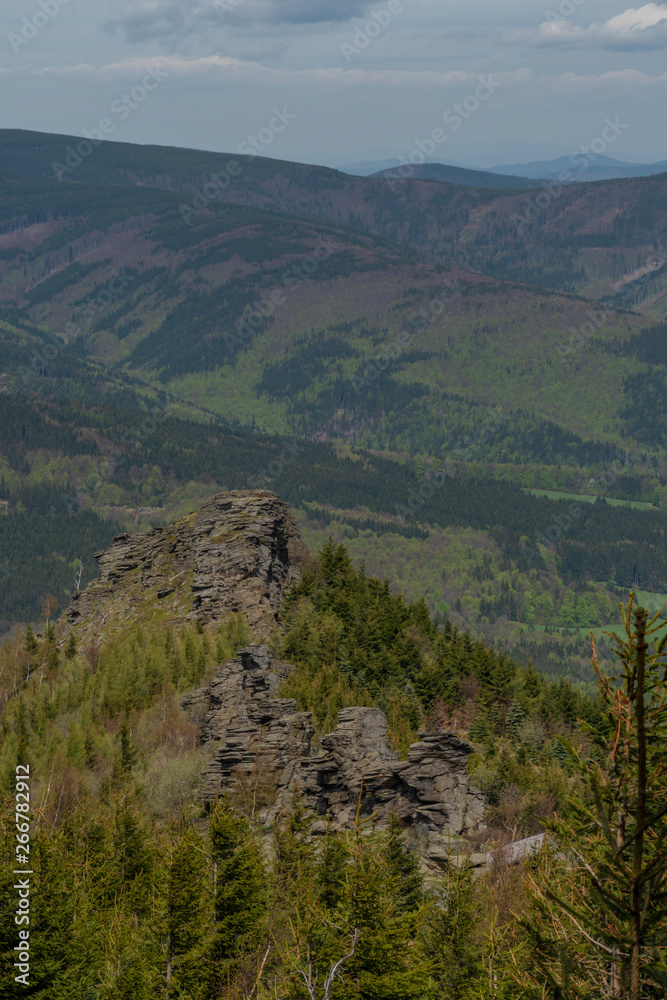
311 983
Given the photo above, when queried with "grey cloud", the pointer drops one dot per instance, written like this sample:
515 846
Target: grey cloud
316 11
150 20
173 20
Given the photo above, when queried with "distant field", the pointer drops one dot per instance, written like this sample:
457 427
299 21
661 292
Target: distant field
591 498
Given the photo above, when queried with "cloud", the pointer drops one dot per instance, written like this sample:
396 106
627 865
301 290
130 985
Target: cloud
449 84
166 20
174 20
316 11
232 69
635 29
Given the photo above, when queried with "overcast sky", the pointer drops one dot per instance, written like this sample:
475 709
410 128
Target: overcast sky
353 81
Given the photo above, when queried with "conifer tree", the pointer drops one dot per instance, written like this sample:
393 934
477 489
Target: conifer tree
239 882
188 918
448 931
134 854
384 964
331 868
357 941
31 643
126 757
514 719
403 869
598 924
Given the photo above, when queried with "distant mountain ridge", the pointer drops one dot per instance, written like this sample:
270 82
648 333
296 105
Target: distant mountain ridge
583 168
449 174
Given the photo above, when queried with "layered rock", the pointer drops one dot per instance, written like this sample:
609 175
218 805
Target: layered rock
255 739
261 749
240 552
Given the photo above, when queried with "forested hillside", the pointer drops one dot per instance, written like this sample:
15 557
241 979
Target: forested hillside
586 238
484 550
138 890
441 421
460 393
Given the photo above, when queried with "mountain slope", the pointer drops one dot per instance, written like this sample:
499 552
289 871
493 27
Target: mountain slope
463 176
298 325
126 306
584 238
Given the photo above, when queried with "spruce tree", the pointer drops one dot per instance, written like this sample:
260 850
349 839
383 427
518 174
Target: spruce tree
331 869
368 934
513 721
239 883
403 869
126 757
31 643
449 934
188 918
598 923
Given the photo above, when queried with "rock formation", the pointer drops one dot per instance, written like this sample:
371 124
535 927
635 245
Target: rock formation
261 749
240 552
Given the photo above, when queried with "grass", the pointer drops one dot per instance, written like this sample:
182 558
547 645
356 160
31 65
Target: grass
591 498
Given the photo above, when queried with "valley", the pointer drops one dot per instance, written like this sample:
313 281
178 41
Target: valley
384 380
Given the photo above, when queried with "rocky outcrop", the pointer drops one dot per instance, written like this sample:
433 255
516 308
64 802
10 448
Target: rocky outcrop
261 749
256 740
240 552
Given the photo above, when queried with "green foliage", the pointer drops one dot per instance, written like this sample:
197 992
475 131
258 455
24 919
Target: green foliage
54 538
239 887
597 923
355 642
403 869
450 935
188 929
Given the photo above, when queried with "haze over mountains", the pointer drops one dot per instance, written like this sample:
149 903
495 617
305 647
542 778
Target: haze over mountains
581 169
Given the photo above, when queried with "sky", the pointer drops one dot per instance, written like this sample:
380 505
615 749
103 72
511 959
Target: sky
478 82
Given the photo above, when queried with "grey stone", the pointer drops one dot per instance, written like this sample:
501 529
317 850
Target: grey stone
240 552
254 736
